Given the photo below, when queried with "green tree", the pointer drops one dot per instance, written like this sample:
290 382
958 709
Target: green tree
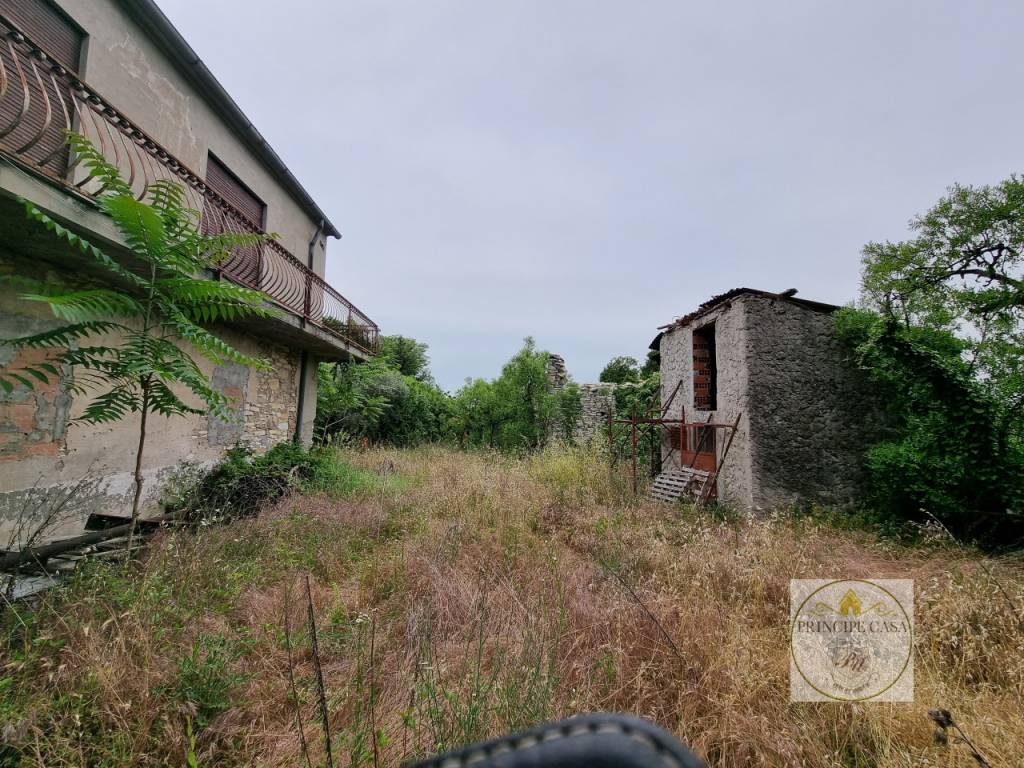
152 313
945 346
390 399
652 364
346 403
620 370
407 356
962 272
518 411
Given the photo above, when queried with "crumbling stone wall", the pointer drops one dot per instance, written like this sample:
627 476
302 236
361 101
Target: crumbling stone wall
596 402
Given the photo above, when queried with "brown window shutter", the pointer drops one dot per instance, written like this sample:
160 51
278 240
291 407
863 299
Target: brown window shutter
244 265
48 28
227 185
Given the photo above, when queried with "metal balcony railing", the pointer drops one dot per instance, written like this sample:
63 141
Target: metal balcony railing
40 101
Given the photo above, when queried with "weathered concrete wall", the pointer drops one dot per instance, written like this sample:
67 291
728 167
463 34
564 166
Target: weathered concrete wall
45 455
733 333
812 413
129 69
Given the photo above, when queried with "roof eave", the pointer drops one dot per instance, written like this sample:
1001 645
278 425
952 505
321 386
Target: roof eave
160 28
724 298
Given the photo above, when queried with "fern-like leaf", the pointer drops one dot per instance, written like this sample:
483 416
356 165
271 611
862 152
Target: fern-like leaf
111 406
79 306
82 245
65 335
139 225
98 166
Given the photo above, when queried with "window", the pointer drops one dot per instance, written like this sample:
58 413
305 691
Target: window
227 185
705 378
48 28
51 30
244 265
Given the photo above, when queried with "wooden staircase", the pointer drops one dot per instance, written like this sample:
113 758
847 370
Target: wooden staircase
673 484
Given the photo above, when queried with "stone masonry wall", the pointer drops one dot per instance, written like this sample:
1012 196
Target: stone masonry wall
270 415
813 414
596 401
732 340
264 402
807 415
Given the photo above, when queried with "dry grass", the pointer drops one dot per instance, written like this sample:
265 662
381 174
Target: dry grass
477 582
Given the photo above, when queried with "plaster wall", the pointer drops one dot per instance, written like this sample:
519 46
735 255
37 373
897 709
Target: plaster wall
733 333
47 459
130 70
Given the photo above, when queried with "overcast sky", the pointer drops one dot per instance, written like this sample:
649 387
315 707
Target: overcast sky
584 171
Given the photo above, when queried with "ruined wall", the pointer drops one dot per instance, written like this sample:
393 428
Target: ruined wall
47 460
732 344
596 402
812 413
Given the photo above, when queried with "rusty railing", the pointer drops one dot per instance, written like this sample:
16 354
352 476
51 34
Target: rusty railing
40 100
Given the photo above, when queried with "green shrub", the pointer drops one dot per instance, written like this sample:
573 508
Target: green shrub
243 483
206 677
952 452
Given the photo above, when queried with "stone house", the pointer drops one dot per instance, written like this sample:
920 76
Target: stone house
118 72
771 359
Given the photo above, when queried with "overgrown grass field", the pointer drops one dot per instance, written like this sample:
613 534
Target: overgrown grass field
462 595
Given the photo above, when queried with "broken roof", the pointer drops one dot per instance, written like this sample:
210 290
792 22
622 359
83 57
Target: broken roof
722 298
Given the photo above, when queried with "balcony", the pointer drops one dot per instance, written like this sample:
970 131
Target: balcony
40 100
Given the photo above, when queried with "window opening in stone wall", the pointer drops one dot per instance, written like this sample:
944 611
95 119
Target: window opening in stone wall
705 384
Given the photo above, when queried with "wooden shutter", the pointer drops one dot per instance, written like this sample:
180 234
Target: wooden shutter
227 185
48 28
244 265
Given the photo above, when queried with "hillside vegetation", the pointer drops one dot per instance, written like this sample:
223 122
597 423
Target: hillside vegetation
461 595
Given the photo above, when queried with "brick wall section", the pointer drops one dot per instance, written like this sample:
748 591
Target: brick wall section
32 422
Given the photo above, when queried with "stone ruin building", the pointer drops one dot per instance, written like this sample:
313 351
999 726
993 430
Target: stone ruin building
597 401
805 416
